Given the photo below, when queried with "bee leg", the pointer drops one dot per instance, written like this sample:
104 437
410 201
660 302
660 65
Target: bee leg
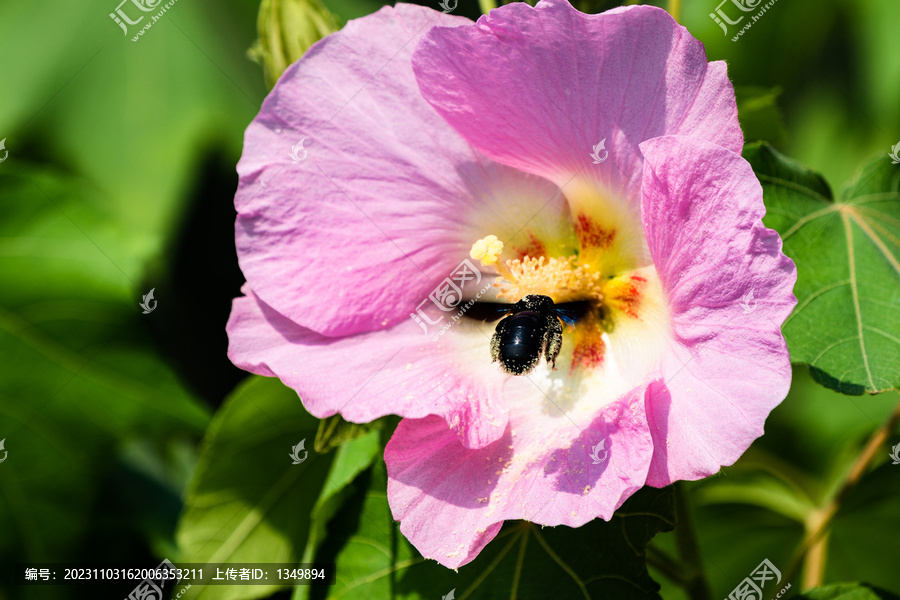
554 340
495 341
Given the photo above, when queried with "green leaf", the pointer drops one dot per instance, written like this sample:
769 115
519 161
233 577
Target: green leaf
335 431
862 545
248 501
186 86
846 325
848 591
351 459
525 561
80 378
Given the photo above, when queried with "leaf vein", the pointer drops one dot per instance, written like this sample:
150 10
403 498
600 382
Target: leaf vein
855 289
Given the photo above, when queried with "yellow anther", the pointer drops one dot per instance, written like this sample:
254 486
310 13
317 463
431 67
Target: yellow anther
487 249
563 279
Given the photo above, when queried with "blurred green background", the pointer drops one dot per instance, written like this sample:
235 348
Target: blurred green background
120 178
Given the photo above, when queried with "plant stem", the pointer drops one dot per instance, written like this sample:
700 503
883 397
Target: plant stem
812 551
814 562
675 9
688 549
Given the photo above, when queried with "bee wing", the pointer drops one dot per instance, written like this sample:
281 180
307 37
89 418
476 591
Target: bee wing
567 316
572 312
488 311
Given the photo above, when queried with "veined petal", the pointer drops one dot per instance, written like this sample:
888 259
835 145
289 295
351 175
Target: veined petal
729 288
363 377
386 198
538 88
452 501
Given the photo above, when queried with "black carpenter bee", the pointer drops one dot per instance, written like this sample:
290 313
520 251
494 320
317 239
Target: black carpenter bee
532 327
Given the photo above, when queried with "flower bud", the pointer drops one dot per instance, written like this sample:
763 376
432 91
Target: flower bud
287 28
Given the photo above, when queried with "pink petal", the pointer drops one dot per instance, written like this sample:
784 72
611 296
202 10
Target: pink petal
537 88
452 501
364 377
729 365
388 199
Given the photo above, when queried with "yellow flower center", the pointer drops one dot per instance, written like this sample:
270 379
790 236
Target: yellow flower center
614 297
562 279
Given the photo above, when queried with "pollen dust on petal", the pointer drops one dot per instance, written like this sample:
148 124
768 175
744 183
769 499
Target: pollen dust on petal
593 235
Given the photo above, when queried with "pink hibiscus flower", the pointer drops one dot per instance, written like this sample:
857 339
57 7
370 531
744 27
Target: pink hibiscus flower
602 153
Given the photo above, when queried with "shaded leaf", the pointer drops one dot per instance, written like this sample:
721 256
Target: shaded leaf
248 501
80 377
525 561
350 460
862 544
335 431
183 86
848 591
